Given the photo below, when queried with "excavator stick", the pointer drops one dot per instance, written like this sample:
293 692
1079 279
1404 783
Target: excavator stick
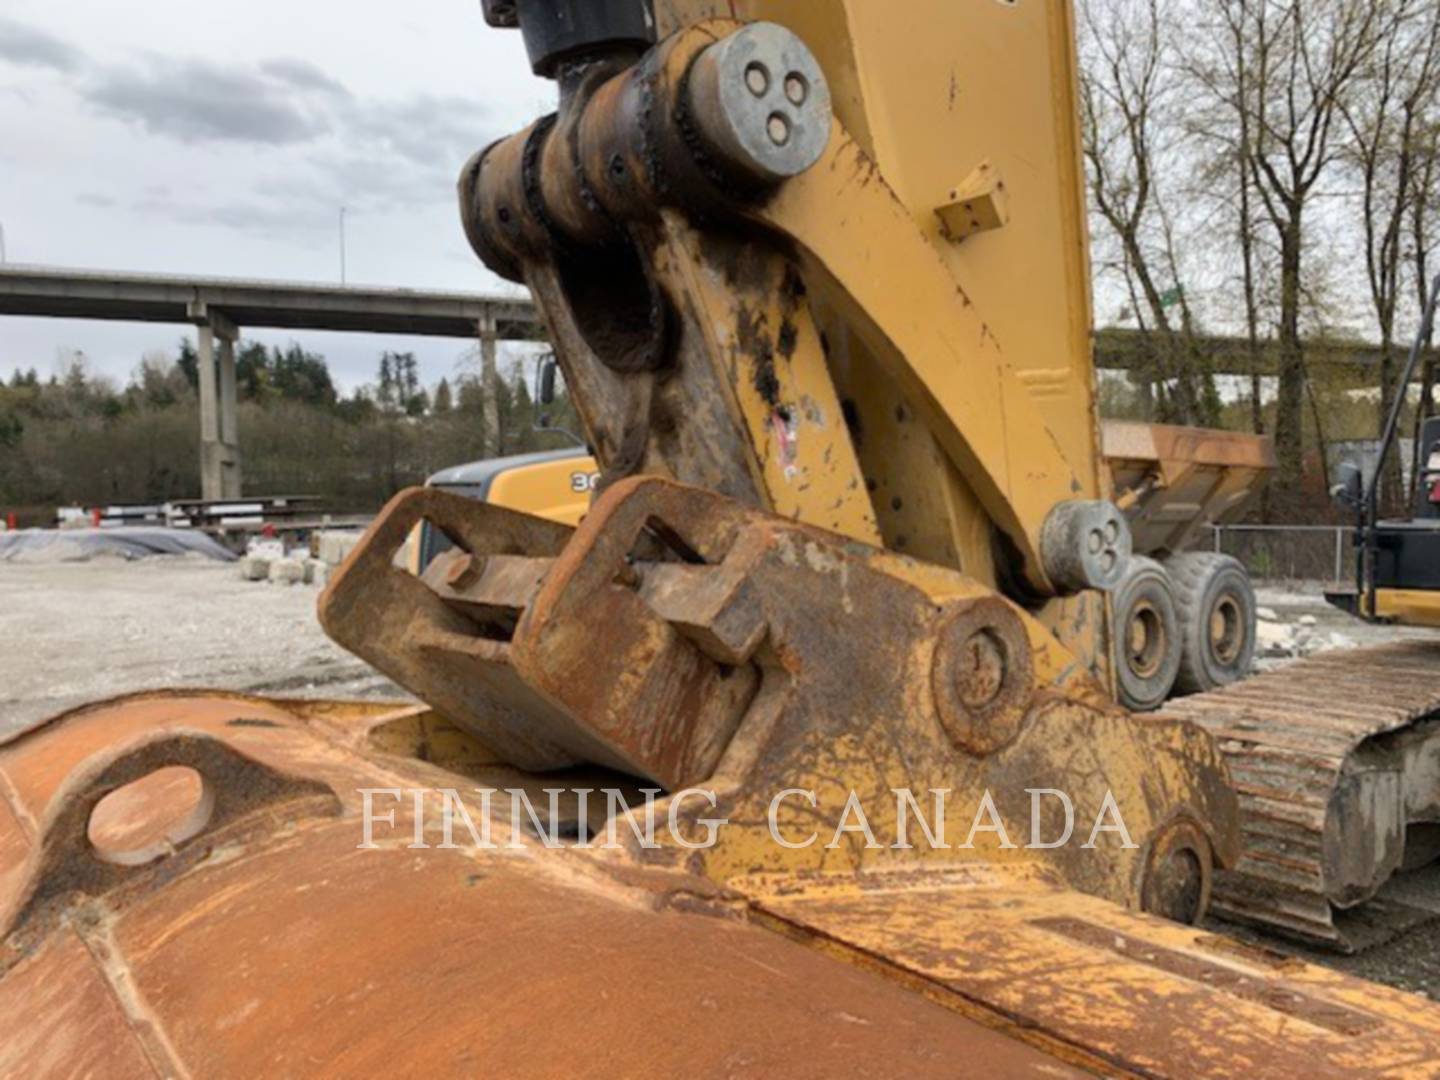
736 265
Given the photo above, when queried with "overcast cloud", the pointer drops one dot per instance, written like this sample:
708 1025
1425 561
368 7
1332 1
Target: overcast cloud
22 44
224 140
196 101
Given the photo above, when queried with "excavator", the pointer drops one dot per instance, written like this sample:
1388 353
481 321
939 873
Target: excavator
815 274
1397 564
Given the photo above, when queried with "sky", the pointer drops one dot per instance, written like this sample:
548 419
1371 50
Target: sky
223 140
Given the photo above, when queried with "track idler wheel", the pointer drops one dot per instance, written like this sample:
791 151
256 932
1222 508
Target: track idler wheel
1216 605
1179 873
1147 636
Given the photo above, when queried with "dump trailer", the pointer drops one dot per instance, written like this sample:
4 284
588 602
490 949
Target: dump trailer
1184 619
816 276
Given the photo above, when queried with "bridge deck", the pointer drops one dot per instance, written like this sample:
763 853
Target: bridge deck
90 294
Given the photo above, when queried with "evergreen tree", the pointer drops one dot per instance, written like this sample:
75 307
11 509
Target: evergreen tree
442 404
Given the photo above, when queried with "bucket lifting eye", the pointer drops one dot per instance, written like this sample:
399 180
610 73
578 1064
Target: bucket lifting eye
149 818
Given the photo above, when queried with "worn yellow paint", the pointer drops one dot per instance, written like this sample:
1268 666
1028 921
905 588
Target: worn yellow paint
759 329
1103 988
926 90
932 339
1410 607
978 204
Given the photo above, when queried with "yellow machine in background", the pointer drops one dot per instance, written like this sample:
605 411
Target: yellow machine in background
1397 564
554 484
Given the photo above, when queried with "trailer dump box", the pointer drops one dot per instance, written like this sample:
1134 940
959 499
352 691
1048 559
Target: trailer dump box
1173 481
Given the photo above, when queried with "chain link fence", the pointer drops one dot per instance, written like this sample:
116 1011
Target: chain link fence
1290 552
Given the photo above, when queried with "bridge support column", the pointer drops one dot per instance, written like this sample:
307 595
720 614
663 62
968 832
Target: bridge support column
490 382
219 411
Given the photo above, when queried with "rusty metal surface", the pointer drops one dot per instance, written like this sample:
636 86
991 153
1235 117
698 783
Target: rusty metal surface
687 639
1134 995
1173 480
369 584
1331 758
273 946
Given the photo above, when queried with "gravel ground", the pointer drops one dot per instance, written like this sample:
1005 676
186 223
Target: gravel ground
1291 601
1410 961
78 632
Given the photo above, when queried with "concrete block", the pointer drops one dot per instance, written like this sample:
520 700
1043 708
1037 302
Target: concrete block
254 568
317 572
333 547
266 549
1274 639
287 572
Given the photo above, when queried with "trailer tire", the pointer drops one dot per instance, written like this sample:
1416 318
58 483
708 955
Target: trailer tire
1147 636
1216 605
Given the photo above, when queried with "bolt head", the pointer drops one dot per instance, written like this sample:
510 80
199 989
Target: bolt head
981 673
761 102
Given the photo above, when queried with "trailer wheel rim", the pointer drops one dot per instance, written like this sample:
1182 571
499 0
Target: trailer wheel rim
1227 630
1146 640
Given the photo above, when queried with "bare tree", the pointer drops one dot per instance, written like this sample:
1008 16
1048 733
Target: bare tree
1283 69
1220 63
1128 85
1386 118
1425 240
1243 146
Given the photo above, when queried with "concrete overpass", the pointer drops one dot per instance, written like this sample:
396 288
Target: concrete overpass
1121 349
220 307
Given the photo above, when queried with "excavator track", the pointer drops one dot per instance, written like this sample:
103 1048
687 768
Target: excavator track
1334 760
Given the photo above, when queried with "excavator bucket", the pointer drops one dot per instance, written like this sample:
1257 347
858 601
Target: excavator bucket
210 884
